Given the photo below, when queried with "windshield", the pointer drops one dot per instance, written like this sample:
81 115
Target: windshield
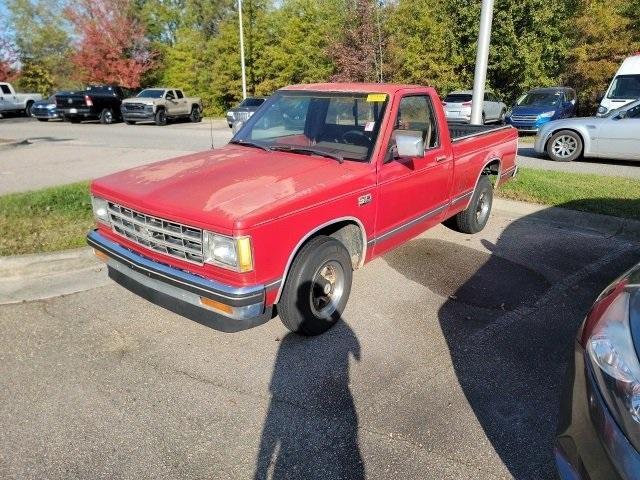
151 93
252 102
458 98
625 87
539 99
345 125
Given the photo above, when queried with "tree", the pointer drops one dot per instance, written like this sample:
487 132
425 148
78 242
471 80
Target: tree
597 53
8 56
112 47
356 54
35 78
421 45
41 37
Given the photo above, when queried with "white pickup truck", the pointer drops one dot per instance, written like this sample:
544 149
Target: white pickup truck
11 101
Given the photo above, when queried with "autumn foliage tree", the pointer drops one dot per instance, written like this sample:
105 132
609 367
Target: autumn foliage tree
112 46
8 57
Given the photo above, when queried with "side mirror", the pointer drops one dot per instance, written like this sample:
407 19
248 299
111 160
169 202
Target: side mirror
237 125
409 144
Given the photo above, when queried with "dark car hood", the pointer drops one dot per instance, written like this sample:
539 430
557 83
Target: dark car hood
244 109
43 103
532 109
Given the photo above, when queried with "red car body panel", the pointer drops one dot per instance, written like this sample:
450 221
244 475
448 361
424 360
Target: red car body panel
280 198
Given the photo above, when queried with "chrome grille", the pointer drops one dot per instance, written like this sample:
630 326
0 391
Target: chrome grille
242 116
134 106
524 118
161 235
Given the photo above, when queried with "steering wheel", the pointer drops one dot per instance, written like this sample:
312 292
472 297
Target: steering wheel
356 137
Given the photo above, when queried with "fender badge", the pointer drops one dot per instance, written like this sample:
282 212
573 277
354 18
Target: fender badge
364 199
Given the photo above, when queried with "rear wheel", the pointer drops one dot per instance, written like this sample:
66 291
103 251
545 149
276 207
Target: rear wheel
476 216
564 146
74 119
106 116
42 119
160 117
317 287
195 114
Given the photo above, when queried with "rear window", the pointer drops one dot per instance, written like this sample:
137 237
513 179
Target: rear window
458 98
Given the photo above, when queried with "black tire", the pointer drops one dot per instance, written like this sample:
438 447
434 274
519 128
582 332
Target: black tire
74 119
42 119
106 116
129 122
304 306
195 116
160 117
564 146
27 109
475 217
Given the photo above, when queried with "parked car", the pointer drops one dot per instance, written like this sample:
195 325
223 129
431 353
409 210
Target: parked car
160 105
599 429
457 107
281 217
13 102
243 111
45 110
542 105
624 88
100 102
615 136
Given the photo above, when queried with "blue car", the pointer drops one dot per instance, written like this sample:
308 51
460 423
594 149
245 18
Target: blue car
45 110
540 106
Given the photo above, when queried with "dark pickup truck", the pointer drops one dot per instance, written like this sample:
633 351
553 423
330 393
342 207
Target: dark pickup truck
100 102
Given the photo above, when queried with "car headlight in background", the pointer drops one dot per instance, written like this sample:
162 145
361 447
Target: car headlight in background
234 253
100 209
230 114
601 110
615 365
547 114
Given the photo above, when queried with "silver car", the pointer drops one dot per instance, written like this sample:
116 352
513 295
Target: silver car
615 136
457 107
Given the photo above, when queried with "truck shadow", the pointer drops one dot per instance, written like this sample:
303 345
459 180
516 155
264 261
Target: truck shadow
311 427
509 322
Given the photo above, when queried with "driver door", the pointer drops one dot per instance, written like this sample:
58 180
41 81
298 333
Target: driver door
171 105
413 191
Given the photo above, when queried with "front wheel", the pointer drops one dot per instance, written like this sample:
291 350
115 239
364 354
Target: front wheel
564 146
160 117
476 216
317 287
27 109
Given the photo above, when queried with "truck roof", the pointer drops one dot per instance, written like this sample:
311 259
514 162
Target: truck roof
389 88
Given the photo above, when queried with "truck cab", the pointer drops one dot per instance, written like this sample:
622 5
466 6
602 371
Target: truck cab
278 220
12 101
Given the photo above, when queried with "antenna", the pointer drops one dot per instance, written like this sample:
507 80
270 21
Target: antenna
211 131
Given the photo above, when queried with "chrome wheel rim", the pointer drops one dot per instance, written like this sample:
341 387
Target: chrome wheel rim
108 117
564 146
482 209
327 289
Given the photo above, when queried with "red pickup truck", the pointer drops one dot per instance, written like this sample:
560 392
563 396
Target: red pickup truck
319 181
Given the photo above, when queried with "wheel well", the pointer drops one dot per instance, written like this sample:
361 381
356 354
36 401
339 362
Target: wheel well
492 168
559 130
350 234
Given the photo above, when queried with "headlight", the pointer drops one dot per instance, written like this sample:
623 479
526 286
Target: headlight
509 113
547 114
601 110
228 252
100 209
230 114
616 367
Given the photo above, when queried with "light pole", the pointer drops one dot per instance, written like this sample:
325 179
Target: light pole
482 59
244 76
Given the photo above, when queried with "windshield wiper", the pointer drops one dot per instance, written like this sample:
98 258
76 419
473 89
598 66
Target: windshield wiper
249 143
312 151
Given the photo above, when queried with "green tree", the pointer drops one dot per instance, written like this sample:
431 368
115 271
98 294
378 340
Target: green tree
600 46
42 37
421 45
34 77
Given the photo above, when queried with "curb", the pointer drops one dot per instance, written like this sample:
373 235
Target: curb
46 275
565 218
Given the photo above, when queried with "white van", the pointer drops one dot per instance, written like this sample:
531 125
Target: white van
624 88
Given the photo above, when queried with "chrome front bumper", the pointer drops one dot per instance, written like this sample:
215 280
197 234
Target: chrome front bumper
222 307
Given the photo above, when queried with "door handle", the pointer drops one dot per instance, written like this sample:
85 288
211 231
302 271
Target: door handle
441 158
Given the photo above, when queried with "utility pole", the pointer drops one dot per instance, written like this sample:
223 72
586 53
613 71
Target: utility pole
482 60
244 76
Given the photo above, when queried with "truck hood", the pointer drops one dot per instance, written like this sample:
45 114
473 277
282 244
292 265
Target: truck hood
232 188
148 100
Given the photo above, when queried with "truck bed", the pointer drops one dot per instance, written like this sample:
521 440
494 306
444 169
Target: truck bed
458 132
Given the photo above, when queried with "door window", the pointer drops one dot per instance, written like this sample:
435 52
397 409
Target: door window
169 95
179 94
633 112
5 89
415 114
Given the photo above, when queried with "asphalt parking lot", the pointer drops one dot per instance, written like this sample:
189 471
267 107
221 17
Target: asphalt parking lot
448 363
59 153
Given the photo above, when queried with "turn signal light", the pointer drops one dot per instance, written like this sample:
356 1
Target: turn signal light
208 302
100 255
87 101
